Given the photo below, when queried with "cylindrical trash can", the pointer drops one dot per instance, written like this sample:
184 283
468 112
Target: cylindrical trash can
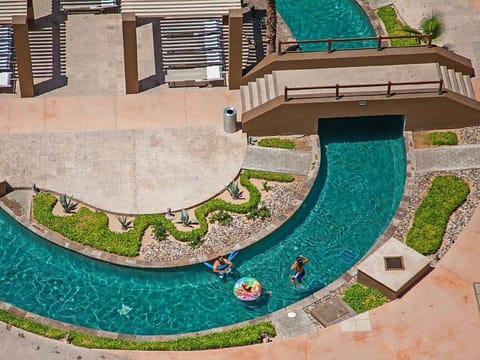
230 120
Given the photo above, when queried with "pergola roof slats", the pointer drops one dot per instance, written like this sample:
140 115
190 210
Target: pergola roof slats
9 8
180 8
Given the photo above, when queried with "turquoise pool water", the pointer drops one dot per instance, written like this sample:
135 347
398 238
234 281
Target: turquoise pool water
323 19
357 192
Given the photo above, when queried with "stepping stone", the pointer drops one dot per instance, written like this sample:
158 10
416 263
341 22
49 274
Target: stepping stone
331 312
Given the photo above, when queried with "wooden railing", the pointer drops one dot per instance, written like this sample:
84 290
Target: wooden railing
337 88
330 42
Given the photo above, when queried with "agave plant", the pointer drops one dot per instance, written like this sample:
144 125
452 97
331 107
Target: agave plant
184 218
234 190
123 220
69 206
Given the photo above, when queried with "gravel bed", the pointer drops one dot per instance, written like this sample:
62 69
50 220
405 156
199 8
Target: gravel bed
219 237
470 135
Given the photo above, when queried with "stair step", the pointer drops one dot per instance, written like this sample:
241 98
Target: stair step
245 98
453 81
444 76
461 84
275 84
261 91
252 86
469 88
270 86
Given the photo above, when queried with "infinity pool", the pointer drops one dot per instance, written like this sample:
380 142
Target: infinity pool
323 19
358 189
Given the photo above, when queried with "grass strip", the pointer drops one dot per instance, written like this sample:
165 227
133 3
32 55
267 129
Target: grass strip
441 138
247 335
91 227
277 143
445 195
394 26
362 298
32 326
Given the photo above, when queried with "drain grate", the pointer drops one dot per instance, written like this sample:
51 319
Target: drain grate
394 263
349 256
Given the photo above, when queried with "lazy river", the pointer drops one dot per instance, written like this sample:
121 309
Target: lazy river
356 193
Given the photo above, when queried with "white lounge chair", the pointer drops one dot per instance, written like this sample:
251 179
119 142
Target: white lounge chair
195 76
5 79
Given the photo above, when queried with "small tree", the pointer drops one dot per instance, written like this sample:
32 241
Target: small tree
432 24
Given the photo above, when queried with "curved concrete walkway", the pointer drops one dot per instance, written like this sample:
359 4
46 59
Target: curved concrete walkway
125 154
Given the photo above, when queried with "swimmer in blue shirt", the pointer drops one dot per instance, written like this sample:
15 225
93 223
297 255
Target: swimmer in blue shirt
298 266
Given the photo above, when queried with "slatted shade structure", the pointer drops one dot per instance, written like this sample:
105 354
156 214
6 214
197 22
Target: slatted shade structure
179 8
9 8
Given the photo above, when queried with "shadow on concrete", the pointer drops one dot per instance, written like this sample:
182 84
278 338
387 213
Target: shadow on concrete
253 36
48 50
159 77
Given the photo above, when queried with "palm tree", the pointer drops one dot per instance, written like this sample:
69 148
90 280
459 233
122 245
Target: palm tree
432 24
271 26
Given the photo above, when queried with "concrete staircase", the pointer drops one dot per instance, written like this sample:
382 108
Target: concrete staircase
272 85
456 82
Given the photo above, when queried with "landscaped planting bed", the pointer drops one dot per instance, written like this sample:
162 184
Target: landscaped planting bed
446 194
91 227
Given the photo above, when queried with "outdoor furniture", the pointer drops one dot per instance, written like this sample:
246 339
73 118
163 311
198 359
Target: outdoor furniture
83 6
5 79
194 76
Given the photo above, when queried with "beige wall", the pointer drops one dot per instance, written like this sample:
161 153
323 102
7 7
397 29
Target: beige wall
423 112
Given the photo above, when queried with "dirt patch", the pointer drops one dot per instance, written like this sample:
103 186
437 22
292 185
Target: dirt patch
114 224
13 205
420 142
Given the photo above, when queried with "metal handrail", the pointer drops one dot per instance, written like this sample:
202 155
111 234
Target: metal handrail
337 87
331 41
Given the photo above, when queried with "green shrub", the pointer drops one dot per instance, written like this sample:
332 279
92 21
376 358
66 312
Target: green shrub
247 335
277 143
441 138
361 298
251 334
91 228
446 194
31 326
223 218
394 26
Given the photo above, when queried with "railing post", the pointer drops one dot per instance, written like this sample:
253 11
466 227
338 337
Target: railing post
337 91
430 36
389 88
285 94
329 45
440 87
379 43
279 49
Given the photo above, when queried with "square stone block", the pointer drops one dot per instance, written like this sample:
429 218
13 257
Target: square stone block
375 271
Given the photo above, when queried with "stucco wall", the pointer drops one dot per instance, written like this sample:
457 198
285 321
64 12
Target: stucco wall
422 111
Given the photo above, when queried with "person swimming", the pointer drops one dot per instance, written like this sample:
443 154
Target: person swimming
299 267
219 266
